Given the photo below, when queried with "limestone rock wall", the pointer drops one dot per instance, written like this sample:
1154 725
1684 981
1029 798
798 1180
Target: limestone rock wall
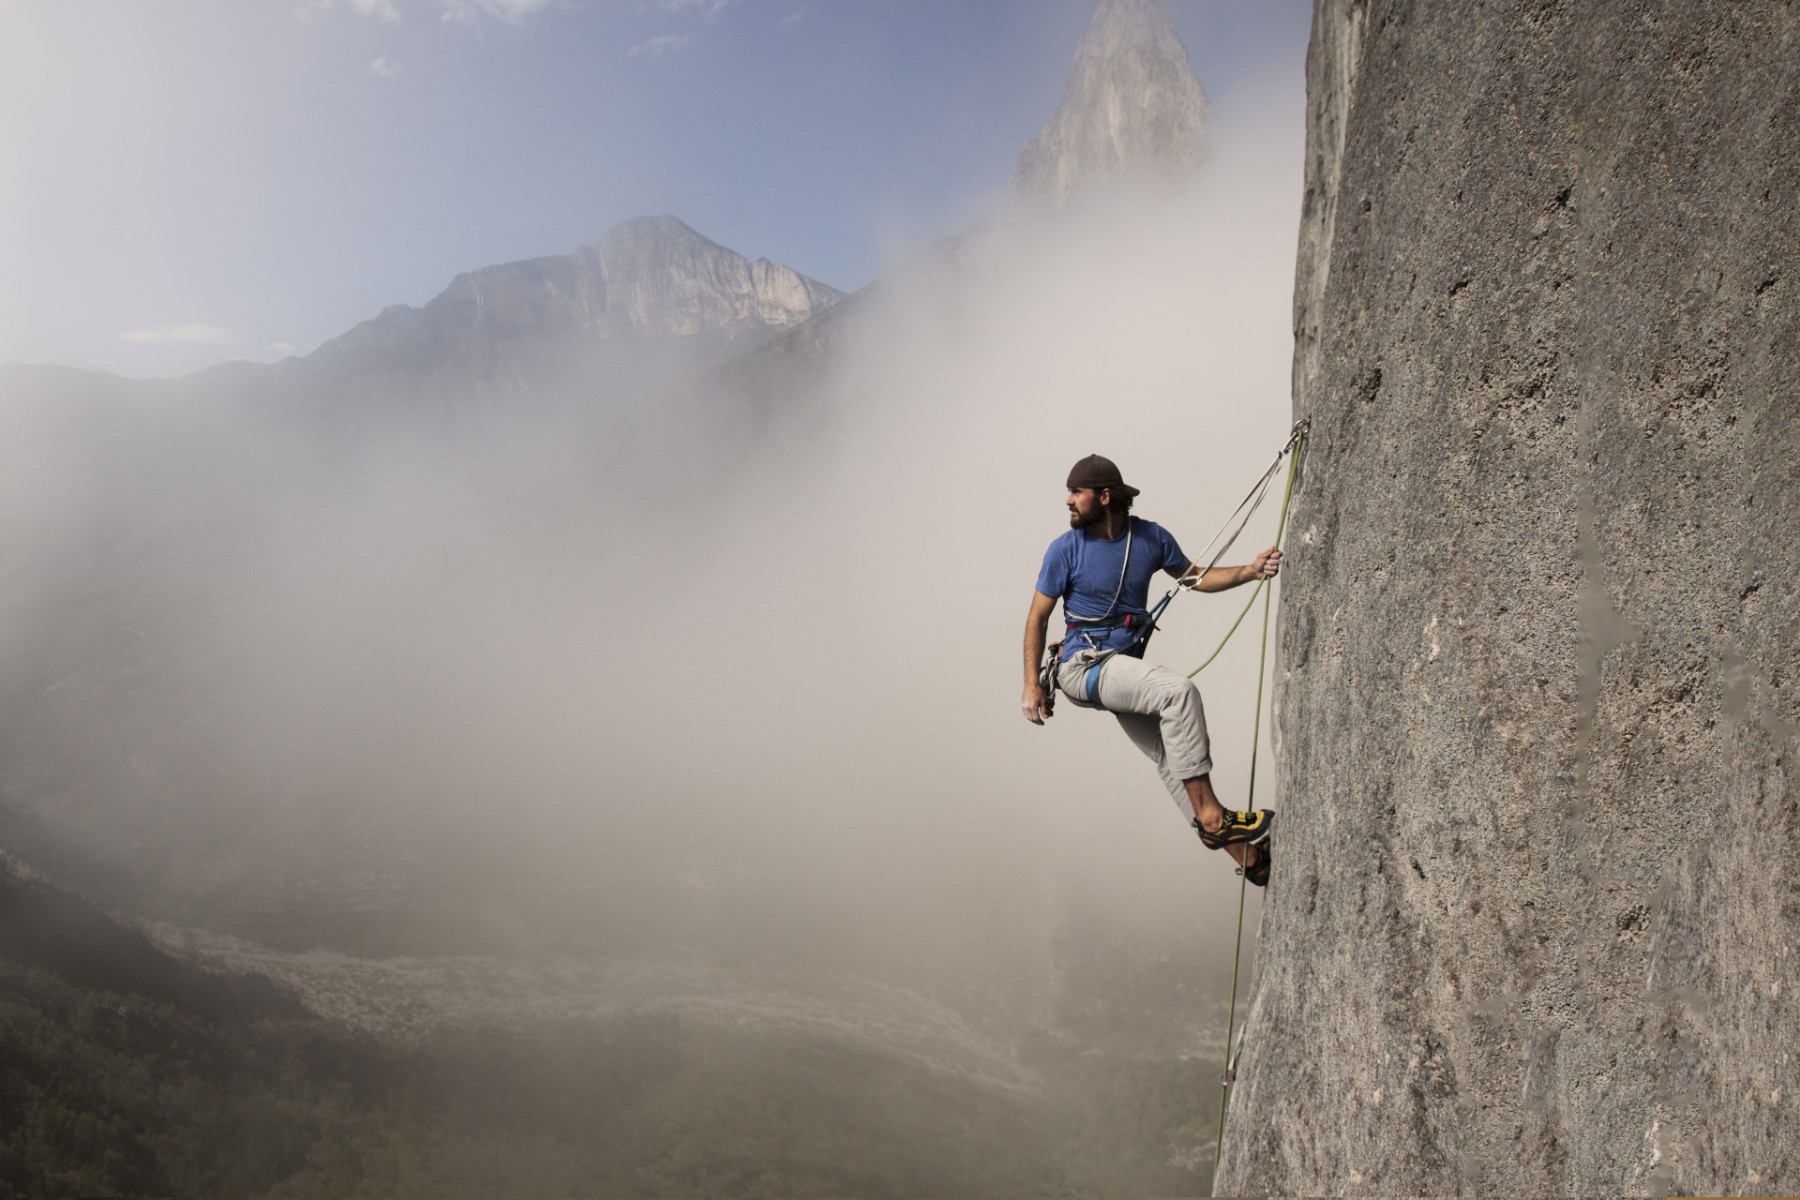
1535 911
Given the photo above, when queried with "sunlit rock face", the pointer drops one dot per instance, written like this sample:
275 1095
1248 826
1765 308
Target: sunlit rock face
1533 922
660 277
1133 110
650 277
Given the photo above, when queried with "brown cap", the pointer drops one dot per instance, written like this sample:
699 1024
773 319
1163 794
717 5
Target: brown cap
1097 472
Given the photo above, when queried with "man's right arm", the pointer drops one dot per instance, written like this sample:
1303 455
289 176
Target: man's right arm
1036 622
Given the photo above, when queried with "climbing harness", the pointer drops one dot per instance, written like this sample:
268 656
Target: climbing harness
1227 1077
1141 627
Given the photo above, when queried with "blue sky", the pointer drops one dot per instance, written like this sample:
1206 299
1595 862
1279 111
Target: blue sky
189 181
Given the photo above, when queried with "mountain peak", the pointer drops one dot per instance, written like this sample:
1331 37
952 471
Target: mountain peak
1132 108
660 228
659 277
647 277
1119 24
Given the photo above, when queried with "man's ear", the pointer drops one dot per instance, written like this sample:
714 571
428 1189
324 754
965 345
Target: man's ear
1105 497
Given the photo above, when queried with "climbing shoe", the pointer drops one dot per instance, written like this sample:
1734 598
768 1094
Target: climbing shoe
1257 873
1238 827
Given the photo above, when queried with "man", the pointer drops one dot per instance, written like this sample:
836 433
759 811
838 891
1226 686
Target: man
1101 571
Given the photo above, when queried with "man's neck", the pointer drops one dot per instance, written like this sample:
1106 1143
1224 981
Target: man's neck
1111 526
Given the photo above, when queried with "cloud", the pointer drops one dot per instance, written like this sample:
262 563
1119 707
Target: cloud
284 349
183 335
688 10
705 9
792 18
387 68
513 12
385 10
665 44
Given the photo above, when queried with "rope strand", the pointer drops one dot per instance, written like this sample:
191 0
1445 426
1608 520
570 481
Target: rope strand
1296 443
1229 1075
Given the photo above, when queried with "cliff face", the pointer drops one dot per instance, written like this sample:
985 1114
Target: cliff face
1534 915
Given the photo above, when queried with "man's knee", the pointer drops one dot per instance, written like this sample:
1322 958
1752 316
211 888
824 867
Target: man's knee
1167 689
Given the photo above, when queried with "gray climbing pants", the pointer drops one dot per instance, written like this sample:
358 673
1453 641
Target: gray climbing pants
1159 710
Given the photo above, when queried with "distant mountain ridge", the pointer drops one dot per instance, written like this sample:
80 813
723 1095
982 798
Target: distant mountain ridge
1132 109
646 278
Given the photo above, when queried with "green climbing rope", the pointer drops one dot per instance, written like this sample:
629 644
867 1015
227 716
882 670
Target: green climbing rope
1228 1074
1254 593
1297 446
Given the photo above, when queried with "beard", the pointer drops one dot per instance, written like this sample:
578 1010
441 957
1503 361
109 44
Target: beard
1081 520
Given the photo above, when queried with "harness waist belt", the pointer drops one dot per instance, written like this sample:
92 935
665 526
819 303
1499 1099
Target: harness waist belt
1123 621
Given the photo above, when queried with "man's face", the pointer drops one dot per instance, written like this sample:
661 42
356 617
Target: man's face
1087 506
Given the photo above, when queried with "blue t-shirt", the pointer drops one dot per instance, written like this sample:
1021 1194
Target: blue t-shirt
1082 569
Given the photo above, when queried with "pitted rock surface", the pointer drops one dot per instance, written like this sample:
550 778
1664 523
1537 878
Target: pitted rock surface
1534 917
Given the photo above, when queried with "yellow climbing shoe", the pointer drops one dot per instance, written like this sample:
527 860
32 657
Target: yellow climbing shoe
1238 827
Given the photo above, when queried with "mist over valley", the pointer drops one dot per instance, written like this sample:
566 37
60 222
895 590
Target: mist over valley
573 719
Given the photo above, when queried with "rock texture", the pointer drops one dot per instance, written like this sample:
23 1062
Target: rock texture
1132 110
1534 918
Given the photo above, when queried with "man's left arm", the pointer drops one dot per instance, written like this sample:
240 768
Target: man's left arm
1266 565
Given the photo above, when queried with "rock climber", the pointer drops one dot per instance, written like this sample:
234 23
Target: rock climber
1101 571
